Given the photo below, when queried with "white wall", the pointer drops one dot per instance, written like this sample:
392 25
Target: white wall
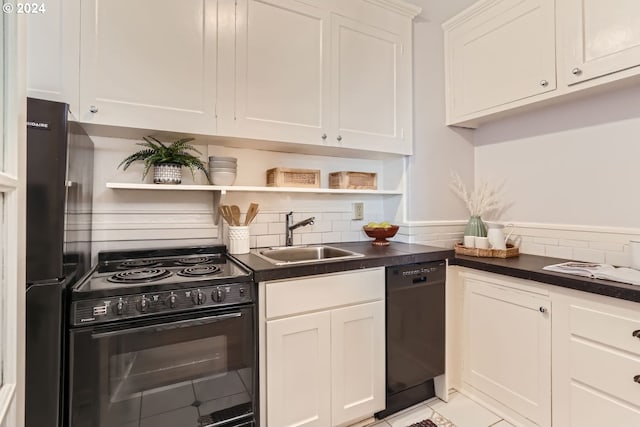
571 175
577 163
438 149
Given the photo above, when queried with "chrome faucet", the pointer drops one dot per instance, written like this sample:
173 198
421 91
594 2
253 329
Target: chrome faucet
290 227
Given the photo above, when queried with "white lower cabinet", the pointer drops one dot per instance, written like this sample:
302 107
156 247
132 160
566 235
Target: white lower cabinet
507 346
324 349
299 371
596 362
357 362
516 359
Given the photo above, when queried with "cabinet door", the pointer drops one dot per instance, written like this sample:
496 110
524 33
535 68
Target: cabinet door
357 362
370 88
507 352
53 49
602 37
299 371
504 52
149 64
281 73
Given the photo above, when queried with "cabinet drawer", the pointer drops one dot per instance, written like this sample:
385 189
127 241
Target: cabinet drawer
590 408
616 330
605 369
307 294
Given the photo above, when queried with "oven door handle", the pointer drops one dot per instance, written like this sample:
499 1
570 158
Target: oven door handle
169 326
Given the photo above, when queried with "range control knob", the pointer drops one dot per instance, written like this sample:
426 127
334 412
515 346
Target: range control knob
218 295
119 307
198 297
171 300
143 305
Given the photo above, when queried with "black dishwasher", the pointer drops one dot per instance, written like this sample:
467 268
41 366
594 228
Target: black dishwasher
415 318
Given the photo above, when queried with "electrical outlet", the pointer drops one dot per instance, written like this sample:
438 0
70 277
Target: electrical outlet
358 210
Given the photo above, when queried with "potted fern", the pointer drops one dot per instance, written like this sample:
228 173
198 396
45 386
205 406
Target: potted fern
167 160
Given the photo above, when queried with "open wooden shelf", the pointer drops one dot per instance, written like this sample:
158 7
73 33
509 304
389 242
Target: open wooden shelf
245 188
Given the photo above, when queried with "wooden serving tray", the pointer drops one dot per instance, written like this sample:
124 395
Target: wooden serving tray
511 251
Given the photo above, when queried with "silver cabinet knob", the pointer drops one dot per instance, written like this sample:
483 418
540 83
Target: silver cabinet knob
576 71
543 309
324 136
93 109
544 83
339 138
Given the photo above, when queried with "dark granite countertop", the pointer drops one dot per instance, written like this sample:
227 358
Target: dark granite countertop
375 256
524 266
530 267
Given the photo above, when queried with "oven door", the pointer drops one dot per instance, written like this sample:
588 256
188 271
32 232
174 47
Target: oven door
174 371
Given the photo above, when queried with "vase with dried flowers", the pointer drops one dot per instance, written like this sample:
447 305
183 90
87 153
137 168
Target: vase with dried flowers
482 200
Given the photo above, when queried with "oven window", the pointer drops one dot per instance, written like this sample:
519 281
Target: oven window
156 368
164 376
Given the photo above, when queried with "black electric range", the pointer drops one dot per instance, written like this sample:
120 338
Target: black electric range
163 337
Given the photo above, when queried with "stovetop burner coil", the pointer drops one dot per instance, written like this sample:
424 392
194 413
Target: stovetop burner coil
199 270
140 276
139 263
195 260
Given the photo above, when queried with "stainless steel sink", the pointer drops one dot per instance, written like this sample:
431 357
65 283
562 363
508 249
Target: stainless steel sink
301 254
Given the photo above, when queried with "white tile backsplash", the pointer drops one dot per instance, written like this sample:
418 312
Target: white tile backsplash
559 251
331 237
276 227
608 245
588 255
267 240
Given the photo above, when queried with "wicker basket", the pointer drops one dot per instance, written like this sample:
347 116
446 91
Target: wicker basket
511 251
284 177
354 180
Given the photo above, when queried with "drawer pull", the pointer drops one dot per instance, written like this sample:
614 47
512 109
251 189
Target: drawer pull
637 379
636 334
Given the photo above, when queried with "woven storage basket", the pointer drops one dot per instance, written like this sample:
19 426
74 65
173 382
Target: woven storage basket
285 177
354 180
511 251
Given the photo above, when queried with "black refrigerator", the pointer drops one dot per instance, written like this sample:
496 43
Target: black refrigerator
59 207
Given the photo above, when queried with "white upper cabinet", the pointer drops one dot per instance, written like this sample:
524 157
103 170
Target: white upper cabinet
306 75
502 55
319 73
149 64
600 37
496 55
370 87
281 72
53 42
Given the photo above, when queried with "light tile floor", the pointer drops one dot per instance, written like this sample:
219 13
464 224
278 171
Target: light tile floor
460 410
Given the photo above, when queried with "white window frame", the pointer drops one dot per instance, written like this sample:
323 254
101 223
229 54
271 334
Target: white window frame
13 187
